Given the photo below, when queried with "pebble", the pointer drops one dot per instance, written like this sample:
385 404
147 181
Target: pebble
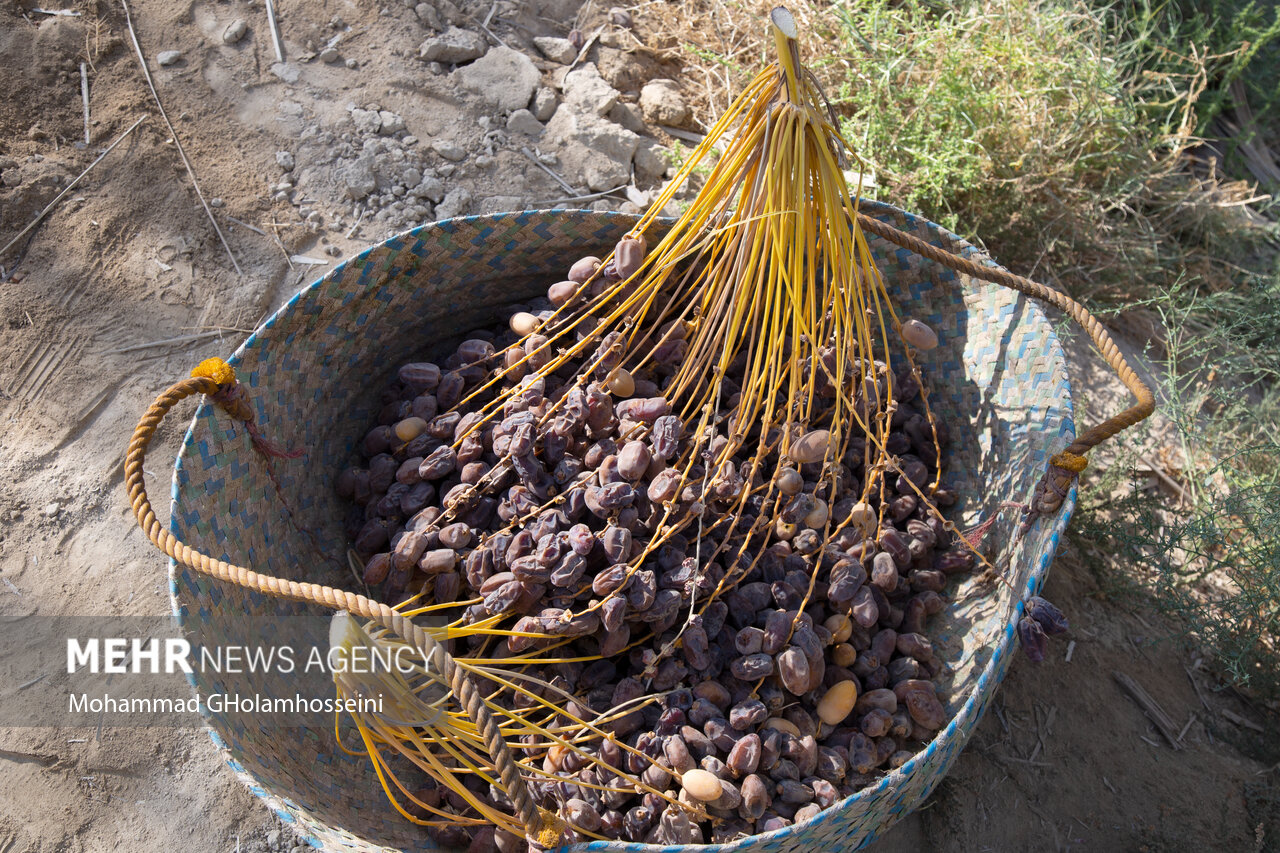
426 13
523 121
235 31
330 56
453 46
285 160
448 149
503 77
168 57
556 49
51 510
286 71
651 160
629 116
390 123
367 121
455 203
589 93
544 104
662 103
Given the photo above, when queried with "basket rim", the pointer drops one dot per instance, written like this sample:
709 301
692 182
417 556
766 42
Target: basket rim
952 733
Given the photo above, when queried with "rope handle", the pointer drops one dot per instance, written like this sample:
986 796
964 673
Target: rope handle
216 379
1065 466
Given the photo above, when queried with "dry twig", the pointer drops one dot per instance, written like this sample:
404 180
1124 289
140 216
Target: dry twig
41 215
142 61
1244 722
544 167
275 31
84 96
1150 707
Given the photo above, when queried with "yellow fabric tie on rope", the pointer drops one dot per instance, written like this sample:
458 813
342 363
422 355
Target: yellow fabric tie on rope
1069 461
552 828
217 370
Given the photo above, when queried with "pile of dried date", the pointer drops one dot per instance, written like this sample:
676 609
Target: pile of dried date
805 680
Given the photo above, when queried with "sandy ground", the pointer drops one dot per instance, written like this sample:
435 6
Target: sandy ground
129 259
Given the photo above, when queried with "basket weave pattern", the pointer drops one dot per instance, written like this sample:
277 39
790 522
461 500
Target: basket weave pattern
313 370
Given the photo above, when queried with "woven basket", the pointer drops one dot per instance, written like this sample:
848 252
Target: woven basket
314 370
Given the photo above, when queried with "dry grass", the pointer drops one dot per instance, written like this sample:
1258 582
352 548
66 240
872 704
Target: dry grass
1021 124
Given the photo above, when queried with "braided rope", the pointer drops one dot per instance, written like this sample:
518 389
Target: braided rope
214 378
540 825
1096 434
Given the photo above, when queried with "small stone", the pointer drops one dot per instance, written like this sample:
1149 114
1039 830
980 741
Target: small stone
285 160
662 103
455 202
330 56
168 57
503 77
430 187
596 151
556 49
286 71
409 140
358 178
448 149
273 838
629 116
235 31
353 64
484 161
544 104
10 178
427 14
217 202
52 510
452 47
587 91
391 123
651 160
522 121
367 121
